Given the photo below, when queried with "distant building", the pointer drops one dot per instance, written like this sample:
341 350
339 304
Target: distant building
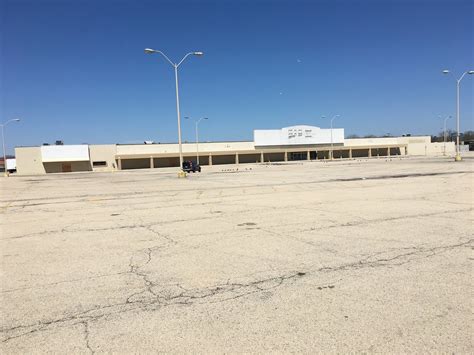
10 163
279 145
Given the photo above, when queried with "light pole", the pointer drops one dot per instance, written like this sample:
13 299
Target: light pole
444 133
458 82
332 145
197 135
176 66
3 143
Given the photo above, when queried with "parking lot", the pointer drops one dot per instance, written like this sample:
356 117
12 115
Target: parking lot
364 256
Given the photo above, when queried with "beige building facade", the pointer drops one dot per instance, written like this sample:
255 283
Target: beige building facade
112 157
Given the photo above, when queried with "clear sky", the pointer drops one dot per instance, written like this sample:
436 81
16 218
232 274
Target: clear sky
75 70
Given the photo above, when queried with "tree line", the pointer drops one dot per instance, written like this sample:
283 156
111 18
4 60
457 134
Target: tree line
467 136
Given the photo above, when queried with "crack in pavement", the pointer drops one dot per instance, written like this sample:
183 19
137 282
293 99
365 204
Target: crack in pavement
113 228
399 259
176 294
135 266
185 191
386 219
86 336
81 316
134 269
149 225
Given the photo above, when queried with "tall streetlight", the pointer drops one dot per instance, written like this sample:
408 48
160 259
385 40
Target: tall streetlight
332 145
176 66
3 143
196 121
444 132
458 82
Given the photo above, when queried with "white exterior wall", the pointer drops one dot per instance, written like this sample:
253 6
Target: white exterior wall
64 153
297 135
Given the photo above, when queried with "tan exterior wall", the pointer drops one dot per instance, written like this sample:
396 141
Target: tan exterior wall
188 148
28 161
416 145
414 140
386 141
431 148
370 141
103 152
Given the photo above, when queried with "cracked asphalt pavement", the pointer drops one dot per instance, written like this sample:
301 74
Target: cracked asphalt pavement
351 256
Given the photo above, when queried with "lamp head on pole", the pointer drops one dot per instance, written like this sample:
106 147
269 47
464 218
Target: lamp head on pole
470 72
9 121
198 53
149 51
446 71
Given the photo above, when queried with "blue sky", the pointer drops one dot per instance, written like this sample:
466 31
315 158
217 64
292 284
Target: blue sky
75 69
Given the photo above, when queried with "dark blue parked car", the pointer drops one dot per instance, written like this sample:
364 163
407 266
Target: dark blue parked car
189 166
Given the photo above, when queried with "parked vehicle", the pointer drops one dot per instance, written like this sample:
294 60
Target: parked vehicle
11 165
190 166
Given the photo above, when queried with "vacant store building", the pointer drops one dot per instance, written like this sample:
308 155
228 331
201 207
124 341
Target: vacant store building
294 143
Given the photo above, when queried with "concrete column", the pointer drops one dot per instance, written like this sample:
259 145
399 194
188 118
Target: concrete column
119 163
308 156
261 157
210 159
388 151
237 158
350 153
286 155
370 152
152 163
